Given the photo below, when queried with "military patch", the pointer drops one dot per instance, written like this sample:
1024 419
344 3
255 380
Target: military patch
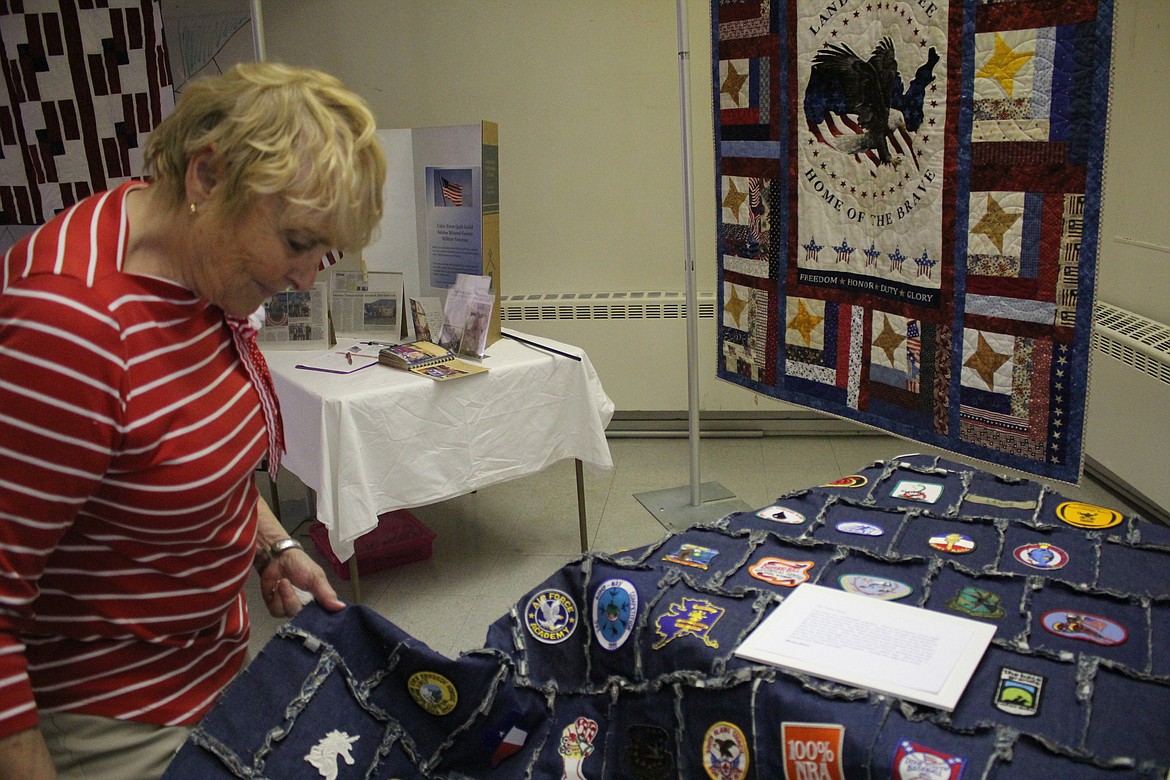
999 502
1084 515
1018 693
505 738
433 692
859 529
852 481
725 752
874 587
977 602
779 571
551 616
648 753
780 514
917 762
692 555
926 492
615 607
813 750
956 544
1079 625
577 745
689 617
1041 555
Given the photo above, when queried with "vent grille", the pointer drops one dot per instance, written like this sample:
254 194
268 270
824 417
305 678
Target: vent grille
1137 341
603 306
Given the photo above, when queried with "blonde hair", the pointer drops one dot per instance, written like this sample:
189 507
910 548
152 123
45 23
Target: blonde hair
276 129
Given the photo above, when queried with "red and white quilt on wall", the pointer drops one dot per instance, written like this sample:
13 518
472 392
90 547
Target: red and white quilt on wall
84 82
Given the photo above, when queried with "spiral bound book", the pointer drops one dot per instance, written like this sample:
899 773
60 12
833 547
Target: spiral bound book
427 359
416 354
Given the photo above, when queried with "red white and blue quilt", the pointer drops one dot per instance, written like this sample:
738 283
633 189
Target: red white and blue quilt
909 198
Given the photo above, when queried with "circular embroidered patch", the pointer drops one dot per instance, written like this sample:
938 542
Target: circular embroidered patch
551 616
433 692
725 752
615 605
874 587
859 529
1041 555
1087 515
953 543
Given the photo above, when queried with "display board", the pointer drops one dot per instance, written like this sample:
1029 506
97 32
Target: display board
442 209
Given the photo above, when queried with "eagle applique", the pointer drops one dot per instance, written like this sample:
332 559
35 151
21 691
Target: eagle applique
867 98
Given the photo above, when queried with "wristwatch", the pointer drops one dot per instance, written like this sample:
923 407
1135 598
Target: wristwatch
266 555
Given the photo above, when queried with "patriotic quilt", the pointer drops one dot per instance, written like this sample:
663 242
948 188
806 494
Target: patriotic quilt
84 83
909 198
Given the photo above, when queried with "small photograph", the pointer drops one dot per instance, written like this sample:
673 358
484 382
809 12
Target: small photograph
300 304
453 187
422 331
300 331
441 372
381 312
275 312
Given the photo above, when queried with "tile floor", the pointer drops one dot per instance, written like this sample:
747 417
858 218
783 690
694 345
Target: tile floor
494 545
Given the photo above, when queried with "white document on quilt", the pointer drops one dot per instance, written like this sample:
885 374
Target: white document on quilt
915 654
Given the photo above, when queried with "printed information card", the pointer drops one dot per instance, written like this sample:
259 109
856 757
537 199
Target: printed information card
913 653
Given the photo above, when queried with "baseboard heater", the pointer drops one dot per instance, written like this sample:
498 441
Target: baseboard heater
1128 431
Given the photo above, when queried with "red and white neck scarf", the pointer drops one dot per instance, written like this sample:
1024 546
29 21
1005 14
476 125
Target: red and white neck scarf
244 331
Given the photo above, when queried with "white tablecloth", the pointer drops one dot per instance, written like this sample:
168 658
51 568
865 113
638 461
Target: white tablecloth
381 439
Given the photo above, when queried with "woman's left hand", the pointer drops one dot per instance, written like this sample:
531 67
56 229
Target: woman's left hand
293 579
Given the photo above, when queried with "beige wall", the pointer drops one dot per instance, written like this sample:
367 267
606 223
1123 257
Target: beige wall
586 97
1135 234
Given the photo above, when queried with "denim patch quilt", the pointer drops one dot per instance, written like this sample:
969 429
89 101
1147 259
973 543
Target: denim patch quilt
909 199
623 666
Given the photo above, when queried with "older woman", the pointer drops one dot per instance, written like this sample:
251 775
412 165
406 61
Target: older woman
134 408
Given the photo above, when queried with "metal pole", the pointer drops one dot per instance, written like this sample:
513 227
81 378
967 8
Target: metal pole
684 92
258 30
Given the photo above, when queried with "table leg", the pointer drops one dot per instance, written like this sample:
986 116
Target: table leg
354 581
581 506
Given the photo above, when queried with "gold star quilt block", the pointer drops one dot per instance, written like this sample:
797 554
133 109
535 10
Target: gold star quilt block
1013 85
805 326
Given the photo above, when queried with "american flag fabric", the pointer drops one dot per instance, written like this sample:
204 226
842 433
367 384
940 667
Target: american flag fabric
909 208
84 82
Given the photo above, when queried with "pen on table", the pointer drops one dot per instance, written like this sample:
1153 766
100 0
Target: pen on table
539 346
377 343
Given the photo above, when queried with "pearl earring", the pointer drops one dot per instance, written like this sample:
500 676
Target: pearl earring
192 207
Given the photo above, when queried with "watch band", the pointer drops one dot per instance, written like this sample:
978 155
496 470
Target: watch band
266 555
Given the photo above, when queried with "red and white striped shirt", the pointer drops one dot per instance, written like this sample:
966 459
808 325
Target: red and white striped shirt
129 432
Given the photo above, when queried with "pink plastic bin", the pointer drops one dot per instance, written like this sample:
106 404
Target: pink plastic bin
399 538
